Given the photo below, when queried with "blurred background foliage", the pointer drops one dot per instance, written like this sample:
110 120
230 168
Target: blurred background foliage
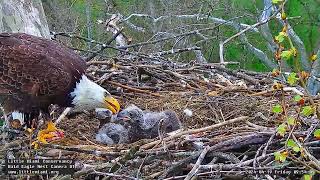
71 16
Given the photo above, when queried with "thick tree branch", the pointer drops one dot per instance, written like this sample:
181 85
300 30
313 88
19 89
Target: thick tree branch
221 45
264 28
257 52
186 16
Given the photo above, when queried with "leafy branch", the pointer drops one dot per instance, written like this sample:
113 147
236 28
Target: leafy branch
294 149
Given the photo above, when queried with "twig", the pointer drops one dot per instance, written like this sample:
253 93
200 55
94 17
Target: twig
178 165
240 141
196 166
94 54
75 149
99 62
133 89
63 115
86 171
264 152
174 51
194 131
122 160
123 50
233 166
122 176
221 45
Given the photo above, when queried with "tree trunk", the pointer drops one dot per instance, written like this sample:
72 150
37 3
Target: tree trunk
23 16
89 23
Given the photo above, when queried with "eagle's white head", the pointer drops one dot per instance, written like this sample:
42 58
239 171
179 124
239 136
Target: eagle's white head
89 95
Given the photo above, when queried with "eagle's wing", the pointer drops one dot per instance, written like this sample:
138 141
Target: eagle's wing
35 66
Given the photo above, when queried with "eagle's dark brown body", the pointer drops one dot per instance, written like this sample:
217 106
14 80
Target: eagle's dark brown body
36 72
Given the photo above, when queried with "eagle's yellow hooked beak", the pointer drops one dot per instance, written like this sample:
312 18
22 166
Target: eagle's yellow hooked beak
112 104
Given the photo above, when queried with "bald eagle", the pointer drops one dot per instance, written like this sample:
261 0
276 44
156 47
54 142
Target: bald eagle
36 72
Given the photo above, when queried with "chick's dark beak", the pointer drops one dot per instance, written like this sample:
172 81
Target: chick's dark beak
112 104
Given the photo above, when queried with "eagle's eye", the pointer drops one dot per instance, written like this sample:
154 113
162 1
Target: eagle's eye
106 93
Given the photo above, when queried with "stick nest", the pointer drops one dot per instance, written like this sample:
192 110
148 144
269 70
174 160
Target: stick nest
231 132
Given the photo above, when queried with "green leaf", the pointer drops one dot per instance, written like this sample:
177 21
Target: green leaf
280 156
292 78
297 98
316 133
276 1
291 121
309 175
277 109
307 110
286 54
296 149
282 129
291 143
277 155
281 36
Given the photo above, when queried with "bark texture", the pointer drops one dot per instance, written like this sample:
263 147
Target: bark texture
23 16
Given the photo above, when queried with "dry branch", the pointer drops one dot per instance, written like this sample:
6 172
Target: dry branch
196 166
221 45
193 131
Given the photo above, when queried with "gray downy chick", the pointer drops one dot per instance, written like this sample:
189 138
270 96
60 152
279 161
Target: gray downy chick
112 133
145 124
104 116
131 117
165 121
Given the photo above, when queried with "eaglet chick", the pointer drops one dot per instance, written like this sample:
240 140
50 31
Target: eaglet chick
146 124
112 133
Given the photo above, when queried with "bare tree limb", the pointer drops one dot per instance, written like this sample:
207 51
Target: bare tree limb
257 52
266 33
94 54
313 84
264 28
187 16
221 45
174 51
89 23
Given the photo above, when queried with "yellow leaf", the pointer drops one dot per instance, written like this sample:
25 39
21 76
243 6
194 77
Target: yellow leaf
313 57
213 93
283 16
277 86
294 52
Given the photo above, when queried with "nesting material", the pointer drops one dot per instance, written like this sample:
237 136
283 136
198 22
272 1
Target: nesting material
232 117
